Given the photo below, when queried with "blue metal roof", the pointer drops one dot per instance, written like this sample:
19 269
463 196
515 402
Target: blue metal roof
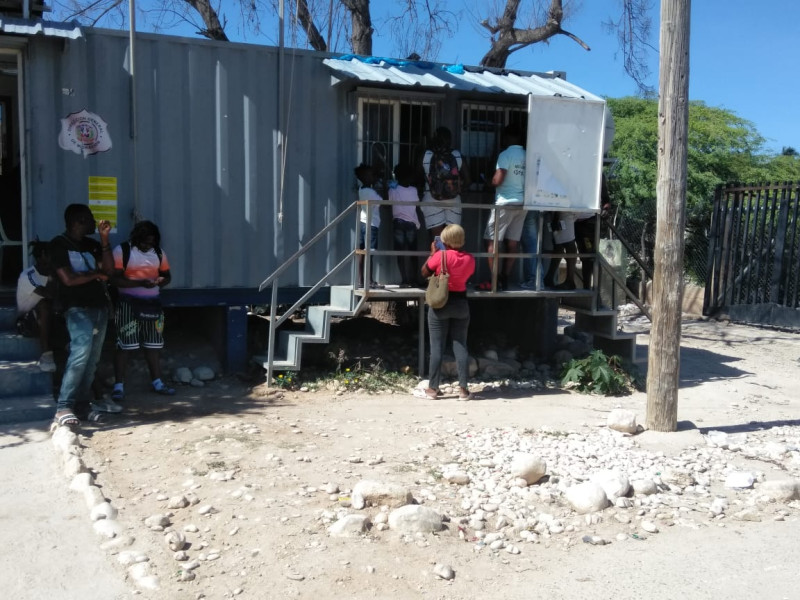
422 74
19 26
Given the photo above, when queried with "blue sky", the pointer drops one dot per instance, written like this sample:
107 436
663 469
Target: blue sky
744 56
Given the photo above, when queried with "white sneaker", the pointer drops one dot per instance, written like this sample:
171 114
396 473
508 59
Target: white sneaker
46 362
106 405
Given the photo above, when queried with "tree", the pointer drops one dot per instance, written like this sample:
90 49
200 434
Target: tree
663 365
417 26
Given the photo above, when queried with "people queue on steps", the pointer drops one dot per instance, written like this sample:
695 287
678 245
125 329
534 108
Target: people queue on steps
70 282
440 179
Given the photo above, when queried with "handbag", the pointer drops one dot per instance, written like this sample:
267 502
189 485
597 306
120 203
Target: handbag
437 293
144 309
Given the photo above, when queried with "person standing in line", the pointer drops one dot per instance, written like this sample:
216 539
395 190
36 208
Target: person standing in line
141 269
585 225
405 223
35 290
82 266
509 181
445 176
562 226
452 320
366 179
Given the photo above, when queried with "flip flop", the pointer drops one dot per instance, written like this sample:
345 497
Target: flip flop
423 393
485 286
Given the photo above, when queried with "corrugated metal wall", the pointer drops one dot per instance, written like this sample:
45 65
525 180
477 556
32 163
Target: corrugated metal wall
208 168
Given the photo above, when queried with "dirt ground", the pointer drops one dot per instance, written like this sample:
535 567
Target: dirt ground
266 462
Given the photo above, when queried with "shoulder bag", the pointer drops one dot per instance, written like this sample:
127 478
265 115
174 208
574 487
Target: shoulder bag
437 292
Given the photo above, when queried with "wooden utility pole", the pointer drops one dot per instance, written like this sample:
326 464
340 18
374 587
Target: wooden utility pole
663 365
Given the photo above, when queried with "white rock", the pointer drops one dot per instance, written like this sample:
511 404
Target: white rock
586 497
142 577
104 510
415 519
116 544
718 506
63 438
93 496
376 493
456 477
131 557
780 490
175 540
349 526
81 481
107 528
178 502
207 509
614 483
529 467
157 520
443 571
649 527
203 373
622 420
739 480
73 465
644 487
182 375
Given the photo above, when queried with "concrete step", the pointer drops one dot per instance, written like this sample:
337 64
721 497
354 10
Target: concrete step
16 347
23 378
8 318
24 409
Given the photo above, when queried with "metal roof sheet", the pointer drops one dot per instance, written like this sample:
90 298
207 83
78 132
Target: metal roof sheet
408 73
19 26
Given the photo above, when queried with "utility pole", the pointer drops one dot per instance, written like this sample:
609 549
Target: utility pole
663 364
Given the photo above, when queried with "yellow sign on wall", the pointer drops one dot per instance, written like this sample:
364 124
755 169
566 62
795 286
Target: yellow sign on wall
103 198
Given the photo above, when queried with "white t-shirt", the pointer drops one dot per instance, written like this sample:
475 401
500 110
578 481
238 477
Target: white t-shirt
29 280
367 193
512 190
407 211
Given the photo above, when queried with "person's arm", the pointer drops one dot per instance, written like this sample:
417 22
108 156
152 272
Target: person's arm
164 278
120 281
426 272
70 278
499 177
107 259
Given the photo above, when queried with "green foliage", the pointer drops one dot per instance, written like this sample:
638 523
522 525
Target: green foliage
285 381
723 148
372 378
597 374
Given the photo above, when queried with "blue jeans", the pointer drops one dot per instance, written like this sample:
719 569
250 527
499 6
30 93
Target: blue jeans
87 332
405 239
530 244
453 320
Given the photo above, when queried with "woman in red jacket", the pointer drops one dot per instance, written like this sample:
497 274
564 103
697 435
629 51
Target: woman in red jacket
453 318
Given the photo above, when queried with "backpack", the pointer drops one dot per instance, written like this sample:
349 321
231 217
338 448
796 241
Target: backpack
444 179
126 254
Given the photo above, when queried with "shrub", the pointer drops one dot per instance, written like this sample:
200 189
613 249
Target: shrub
598 374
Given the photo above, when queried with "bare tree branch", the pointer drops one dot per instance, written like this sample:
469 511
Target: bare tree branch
506 38
633 29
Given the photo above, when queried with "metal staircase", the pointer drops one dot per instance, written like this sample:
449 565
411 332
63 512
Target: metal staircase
284 347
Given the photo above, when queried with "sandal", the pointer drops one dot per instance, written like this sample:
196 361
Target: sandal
68 420
485 286
164 391
427 393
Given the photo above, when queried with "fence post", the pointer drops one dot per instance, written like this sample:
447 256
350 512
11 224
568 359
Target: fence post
780 243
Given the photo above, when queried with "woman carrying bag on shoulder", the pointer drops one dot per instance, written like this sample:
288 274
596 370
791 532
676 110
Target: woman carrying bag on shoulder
452 319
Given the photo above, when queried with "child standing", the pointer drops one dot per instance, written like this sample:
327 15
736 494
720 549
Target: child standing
35 289
405 223
366 177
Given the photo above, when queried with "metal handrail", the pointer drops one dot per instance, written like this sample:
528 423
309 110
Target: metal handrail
617 280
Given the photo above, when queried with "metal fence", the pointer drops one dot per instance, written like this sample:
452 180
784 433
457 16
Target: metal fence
636 224
754 255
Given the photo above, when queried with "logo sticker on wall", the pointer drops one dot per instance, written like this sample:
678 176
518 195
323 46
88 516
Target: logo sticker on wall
84 133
